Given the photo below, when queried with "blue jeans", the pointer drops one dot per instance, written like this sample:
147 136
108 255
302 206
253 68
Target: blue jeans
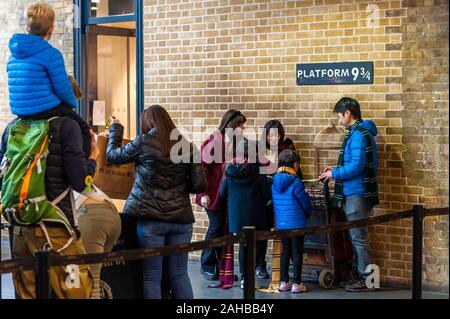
153 234
355 208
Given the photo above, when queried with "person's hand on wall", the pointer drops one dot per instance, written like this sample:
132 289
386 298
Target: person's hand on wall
205 201
95 151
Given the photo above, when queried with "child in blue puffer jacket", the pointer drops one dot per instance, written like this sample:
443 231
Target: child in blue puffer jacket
39 87
37 78
292 206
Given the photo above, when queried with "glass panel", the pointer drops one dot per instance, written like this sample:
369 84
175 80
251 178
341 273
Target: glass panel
105 8
112 77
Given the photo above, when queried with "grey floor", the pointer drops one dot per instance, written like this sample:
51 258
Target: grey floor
201 290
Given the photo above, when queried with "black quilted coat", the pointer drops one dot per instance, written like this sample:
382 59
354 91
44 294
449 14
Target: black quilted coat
161 188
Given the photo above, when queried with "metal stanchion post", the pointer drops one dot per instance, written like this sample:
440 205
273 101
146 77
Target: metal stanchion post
417 251
249 262
42 275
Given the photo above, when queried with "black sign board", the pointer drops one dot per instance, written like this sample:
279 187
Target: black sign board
335 73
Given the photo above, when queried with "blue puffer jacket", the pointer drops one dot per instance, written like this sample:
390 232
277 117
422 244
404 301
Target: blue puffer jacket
292 205
37 78
352 172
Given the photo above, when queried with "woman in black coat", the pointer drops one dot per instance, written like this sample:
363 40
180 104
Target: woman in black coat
160 194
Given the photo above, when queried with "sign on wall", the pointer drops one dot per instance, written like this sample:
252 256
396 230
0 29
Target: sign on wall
335 73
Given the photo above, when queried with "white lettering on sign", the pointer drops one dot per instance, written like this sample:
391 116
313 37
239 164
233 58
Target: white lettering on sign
335 73
331 73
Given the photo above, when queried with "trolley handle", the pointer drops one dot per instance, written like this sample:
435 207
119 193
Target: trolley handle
315 180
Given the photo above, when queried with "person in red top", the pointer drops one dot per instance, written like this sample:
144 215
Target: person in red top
213 162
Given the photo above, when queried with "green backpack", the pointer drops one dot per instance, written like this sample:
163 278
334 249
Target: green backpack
24 199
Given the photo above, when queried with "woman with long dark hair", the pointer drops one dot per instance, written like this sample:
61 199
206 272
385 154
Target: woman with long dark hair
277 140
160 196
213 162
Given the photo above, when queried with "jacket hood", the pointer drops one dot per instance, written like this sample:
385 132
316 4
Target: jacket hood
25 45
243 173
370 126
282 181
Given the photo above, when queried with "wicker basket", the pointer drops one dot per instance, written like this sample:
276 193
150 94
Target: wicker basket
328 139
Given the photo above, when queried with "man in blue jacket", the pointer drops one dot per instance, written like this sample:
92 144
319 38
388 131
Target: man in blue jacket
356 188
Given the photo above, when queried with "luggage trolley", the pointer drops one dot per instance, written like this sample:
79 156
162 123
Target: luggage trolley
327 256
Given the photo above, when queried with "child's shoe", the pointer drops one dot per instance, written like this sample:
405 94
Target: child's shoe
296 288
285 286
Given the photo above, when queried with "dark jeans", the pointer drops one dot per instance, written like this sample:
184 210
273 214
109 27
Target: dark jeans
261 247
210 259
292 249
152 234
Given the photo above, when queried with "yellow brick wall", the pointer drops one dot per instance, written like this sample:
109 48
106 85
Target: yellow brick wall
204 57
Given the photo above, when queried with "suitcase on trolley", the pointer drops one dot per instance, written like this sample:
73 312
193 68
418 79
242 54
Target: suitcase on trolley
326 255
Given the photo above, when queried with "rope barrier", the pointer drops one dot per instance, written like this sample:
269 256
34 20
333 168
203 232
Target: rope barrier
29 263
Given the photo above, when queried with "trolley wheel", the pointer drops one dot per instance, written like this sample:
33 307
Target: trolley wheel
326 278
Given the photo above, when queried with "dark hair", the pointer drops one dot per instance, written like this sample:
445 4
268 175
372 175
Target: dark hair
288 158
347 103
245 146
274 124
231 119
156 117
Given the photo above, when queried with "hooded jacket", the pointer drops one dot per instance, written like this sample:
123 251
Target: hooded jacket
291 203
37 78
352 172
248 197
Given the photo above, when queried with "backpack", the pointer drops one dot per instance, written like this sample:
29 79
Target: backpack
24 197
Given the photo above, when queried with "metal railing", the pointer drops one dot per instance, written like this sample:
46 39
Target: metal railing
43 260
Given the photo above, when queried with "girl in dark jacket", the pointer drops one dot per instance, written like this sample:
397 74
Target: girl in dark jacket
213 165
248 196
160 195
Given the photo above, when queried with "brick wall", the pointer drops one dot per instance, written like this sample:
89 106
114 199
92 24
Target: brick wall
204 57
13 21
425 127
